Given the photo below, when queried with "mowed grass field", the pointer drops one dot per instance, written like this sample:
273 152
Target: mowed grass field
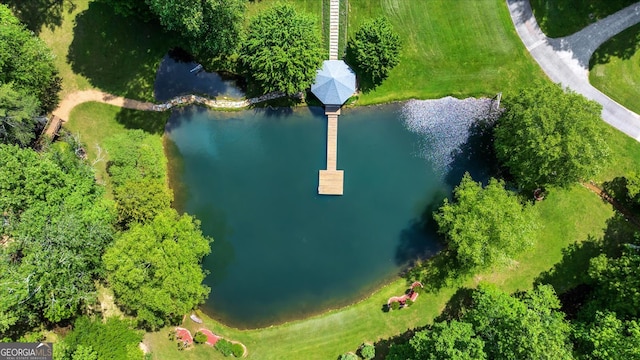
615 68
458 48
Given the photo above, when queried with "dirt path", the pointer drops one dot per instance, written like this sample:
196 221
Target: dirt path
608 198
79 97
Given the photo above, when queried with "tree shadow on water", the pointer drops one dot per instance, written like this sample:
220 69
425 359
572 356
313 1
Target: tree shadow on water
38 13
419 240
117 54
476 155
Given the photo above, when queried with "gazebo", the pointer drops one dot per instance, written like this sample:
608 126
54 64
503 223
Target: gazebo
335 83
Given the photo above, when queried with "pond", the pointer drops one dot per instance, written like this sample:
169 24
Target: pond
280 250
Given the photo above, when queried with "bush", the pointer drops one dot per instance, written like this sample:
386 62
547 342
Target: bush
367 351
237 350
199 338
374 51
395 305
348 356
225 347
409 302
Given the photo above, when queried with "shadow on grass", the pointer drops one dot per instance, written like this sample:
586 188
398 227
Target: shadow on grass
38 13
118 55
622 46
564 17
570 276
149 121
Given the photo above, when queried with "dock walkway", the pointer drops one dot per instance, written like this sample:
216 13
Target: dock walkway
331 180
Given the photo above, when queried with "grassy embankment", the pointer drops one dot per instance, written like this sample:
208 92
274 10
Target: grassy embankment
569 215
558 18
615 68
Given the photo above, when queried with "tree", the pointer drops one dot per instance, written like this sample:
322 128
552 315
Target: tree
141 200
525 326
484 227
608 337
550 137
84 353
367 351
448 340
617 282
283 50
154 268
113 339
26 62
134 156
375 50
17 116
56 224
212 27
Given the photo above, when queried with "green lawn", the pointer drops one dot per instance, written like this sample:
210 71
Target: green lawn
459 48
615 68
94 122
559 18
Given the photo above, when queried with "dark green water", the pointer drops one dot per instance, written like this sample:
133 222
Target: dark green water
281 251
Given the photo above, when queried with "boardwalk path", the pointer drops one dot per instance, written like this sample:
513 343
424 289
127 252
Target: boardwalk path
334 28
72 100
566 60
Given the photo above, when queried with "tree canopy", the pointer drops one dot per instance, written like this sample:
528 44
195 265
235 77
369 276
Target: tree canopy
212 27
375 50
17 116
283 50
26 62
137 169
485 226
56 224
548 136
496 325
154 268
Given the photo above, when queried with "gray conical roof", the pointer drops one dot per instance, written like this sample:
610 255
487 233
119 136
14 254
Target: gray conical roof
335 83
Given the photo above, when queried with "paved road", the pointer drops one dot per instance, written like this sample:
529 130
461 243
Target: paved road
566 60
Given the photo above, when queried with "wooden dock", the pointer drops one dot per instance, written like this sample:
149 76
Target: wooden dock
331 180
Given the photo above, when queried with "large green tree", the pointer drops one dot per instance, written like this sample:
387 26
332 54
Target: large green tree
154 268
283 50
17 116
524 326
608 338
26 62
374 51
550 137
56 224
448 340
212 27
617 282
485 226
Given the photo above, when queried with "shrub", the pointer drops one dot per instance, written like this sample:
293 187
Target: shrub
409 302
367 351
225 347
395 305
237 350
348 356
199 338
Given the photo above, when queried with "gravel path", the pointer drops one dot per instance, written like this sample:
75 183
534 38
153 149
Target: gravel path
566 60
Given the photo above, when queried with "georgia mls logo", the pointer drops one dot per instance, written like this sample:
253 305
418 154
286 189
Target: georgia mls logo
26 351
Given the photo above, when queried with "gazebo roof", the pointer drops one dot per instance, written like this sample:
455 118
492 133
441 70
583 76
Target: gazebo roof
335 83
